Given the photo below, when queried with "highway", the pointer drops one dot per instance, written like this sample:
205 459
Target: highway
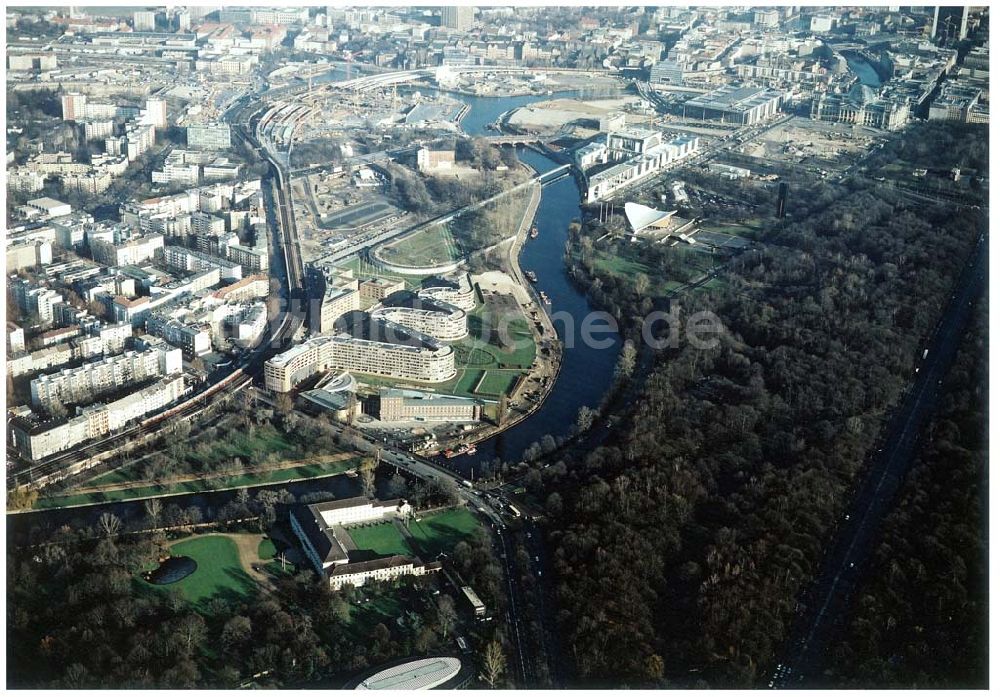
828 600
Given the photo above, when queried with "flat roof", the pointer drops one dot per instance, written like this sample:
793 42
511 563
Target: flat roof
424 674
732 98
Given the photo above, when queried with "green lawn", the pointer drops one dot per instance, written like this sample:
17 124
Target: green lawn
433 534
383 539
219 574
266 549
496 383
316 470
363 269
440 532
433 245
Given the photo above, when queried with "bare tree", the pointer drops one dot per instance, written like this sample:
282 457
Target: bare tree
283 404
494 663
109 524
446 614
367 472
153 509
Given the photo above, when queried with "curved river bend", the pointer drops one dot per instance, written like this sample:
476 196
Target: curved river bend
586 372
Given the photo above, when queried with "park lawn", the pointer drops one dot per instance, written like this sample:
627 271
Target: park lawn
266 549
364 269
433 245
440 532
313 471
383 539
496 383
219 573
240 444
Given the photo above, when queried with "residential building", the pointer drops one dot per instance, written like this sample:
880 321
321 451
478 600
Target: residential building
91 380
36 439
367 345
209 136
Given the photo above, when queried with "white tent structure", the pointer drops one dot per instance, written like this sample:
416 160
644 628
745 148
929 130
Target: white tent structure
643 217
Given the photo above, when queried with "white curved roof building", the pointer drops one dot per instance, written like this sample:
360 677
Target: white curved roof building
422 674
641 217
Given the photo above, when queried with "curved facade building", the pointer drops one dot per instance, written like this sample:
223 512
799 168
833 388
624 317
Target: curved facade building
457 291
363 344
440 320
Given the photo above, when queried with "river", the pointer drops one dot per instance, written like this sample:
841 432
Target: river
586 373
863 69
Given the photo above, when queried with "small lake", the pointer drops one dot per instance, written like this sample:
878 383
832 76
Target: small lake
172 570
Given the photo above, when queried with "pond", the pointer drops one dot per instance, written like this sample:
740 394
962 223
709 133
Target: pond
172 570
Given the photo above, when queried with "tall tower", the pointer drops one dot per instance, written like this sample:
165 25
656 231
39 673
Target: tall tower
458 17
950 23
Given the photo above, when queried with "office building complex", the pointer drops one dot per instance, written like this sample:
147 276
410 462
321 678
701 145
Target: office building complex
209 136
458 17
742 106
410 405
325 543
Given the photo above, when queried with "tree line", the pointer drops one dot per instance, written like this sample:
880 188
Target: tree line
683 543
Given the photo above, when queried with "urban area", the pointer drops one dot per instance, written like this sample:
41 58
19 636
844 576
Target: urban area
496 347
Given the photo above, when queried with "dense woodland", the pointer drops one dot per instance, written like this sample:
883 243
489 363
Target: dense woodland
77 617
919 619
684 542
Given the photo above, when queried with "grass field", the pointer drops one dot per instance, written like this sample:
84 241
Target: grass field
496 383
266 549
440 532
383 539
213 483
433 245
433 534
219 574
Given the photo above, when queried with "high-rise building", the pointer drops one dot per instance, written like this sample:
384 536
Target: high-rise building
144 20
457 17
73 106
950 23
156 112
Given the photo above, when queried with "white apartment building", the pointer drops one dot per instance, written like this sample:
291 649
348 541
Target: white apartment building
441 321
380 351
91 380
36 441
189 260
34 300
25 253
130 252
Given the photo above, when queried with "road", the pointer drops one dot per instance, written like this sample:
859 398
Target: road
828 600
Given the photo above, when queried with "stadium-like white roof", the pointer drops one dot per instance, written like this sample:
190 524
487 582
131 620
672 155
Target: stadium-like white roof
641 217
422 674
